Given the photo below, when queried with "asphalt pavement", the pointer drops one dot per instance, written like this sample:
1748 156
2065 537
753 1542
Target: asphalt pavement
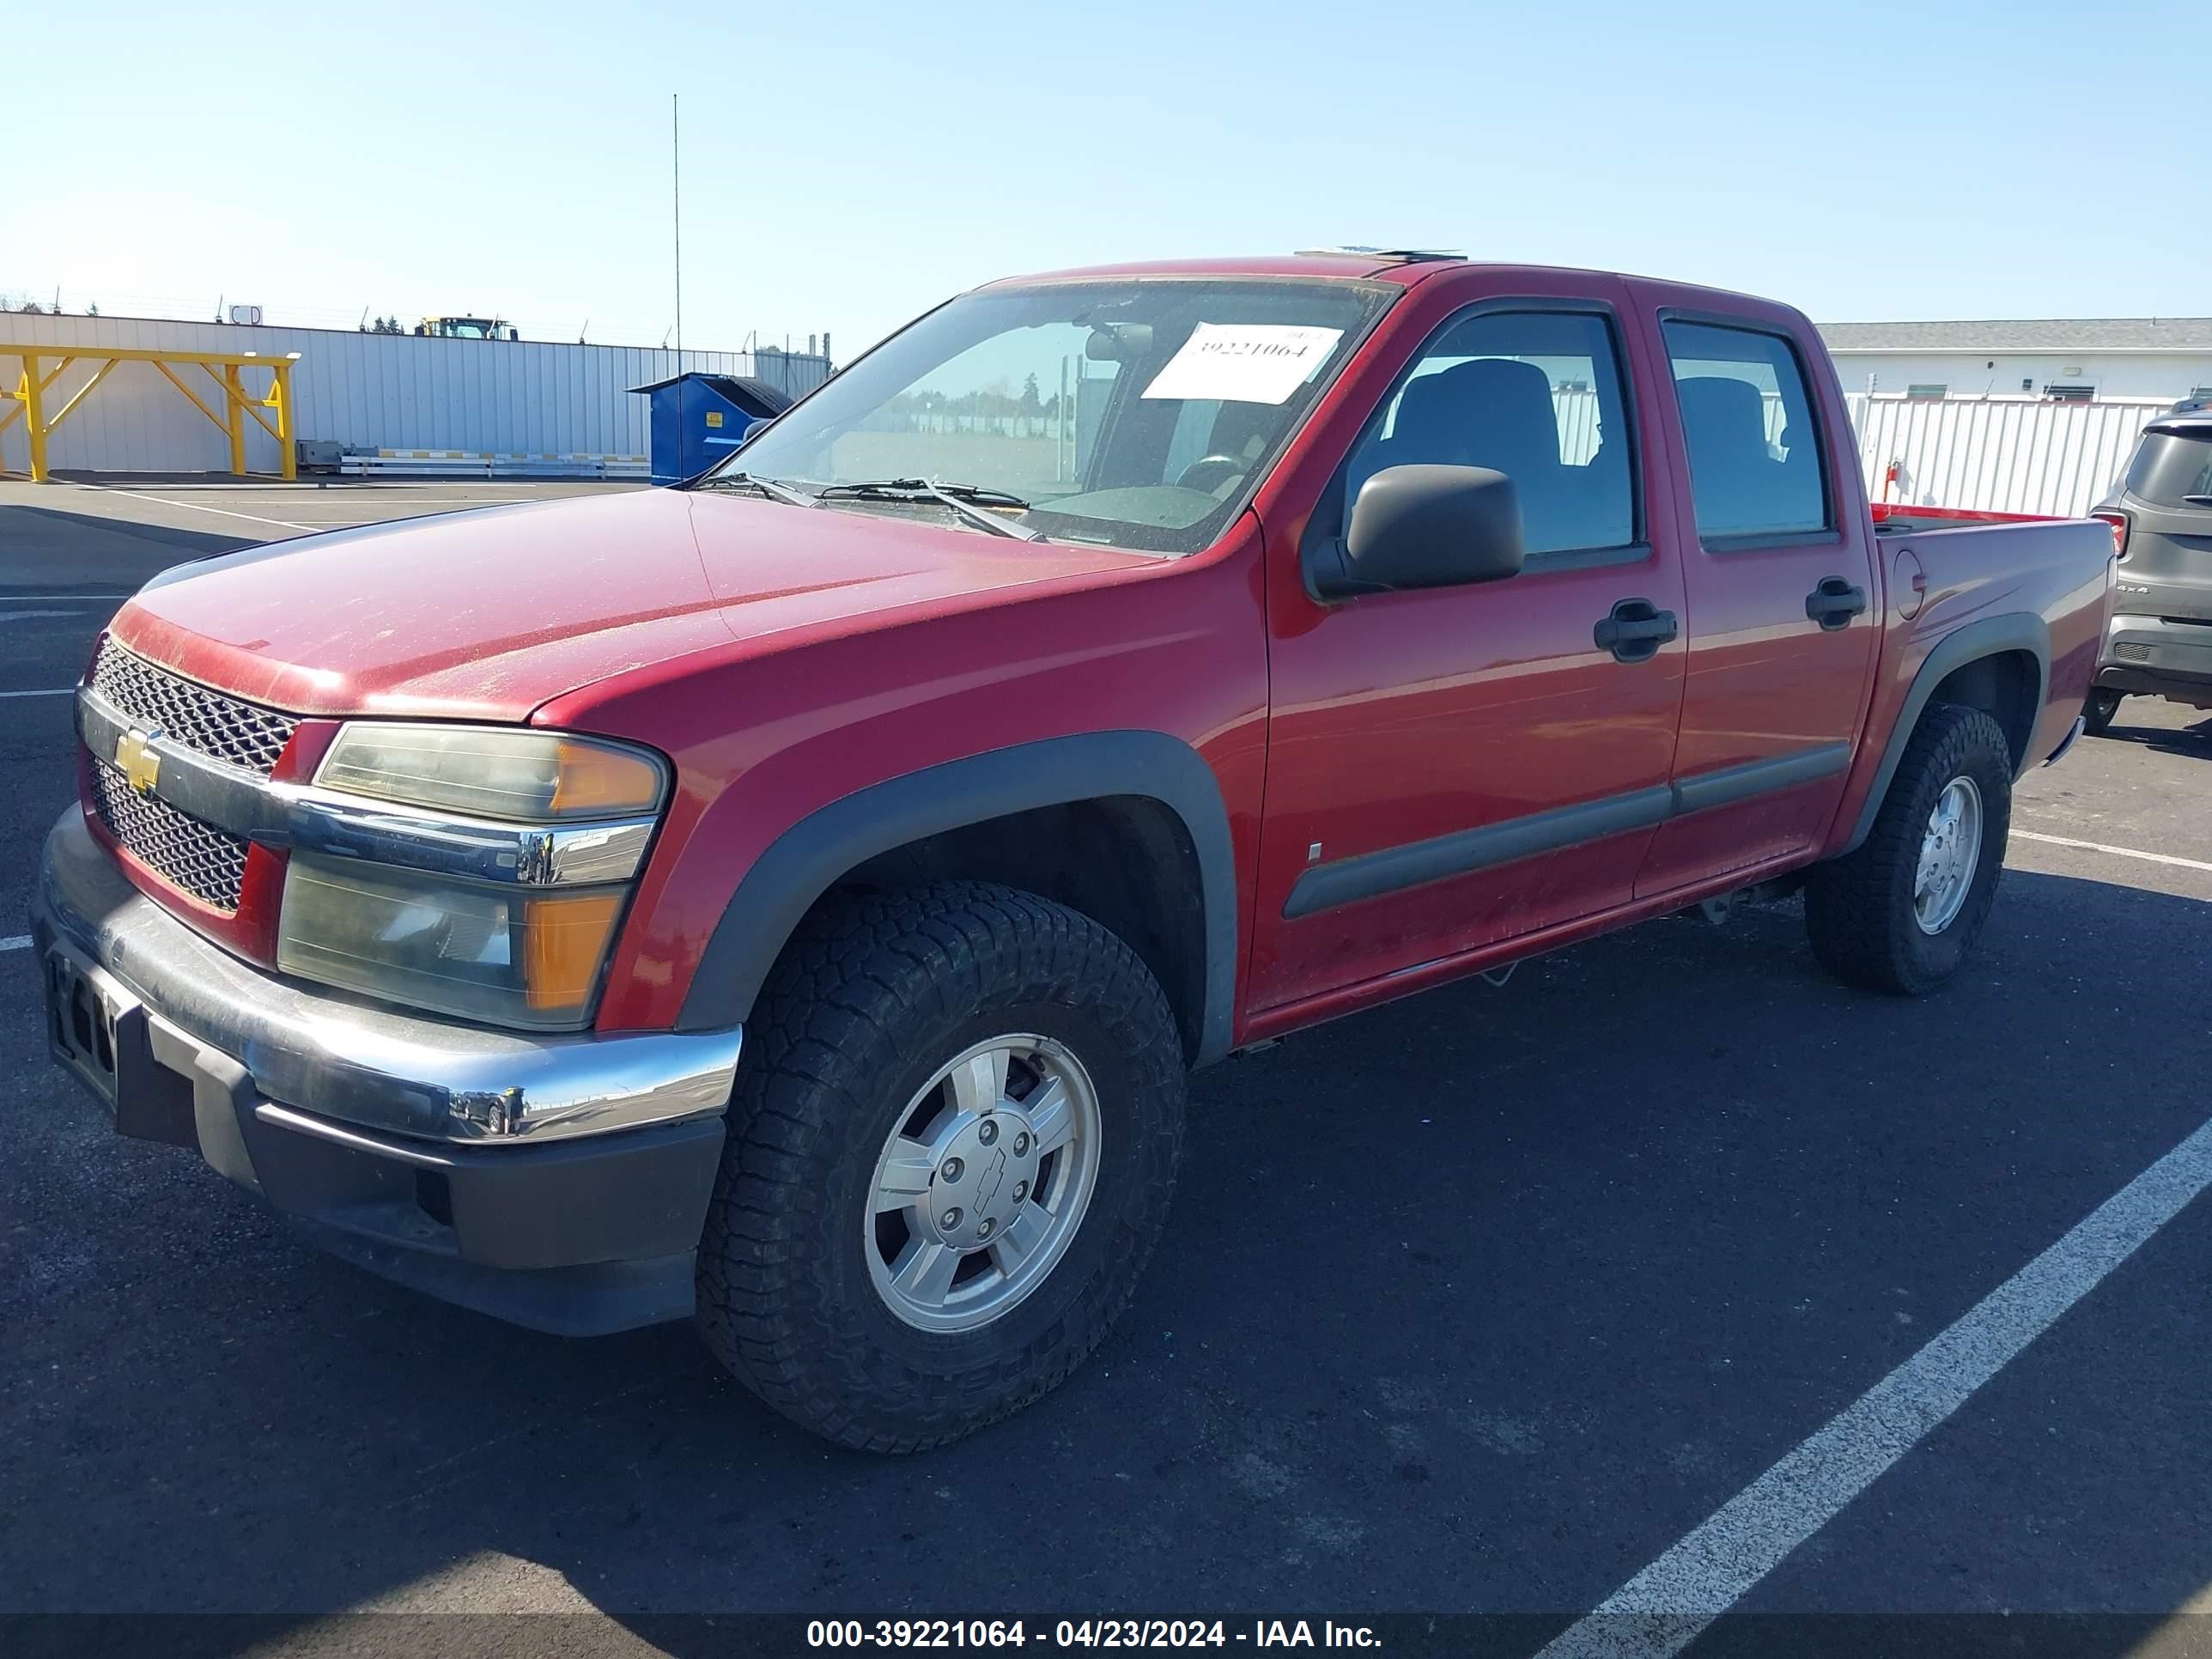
1484 1302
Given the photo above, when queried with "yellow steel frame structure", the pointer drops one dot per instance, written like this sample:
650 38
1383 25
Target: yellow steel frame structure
226 368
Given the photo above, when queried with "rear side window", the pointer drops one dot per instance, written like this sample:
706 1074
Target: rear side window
1748 420
1534 395
2171 467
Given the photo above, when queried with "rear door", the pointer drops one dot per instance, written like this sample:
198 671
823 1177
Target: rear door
1782 595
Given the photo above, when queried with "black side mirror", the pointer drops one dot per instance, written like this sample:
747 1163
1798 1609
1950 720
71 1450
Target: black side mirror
1424 526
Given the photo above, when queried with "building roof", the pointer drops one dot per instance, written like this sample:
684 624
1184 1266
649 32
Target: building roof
2056 334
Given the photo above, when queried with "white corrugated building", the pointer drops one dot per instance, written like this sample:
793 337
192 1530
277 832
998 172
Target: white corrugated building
2094 359
398 391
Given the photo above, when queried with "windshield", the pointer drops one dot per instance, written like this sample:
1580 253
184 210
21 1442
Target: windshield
1137 413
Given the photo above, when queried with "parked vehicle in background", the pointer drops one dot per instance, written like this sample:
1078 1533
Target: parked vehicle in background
468 328
797 897
2159 641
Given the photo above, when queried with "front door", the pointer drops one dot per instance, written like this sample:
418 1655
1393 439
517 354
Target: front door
1452 767
1778 563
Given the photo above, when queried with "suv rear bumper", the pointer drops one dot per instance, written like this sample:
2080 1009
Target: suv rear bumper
560 1183
2154 655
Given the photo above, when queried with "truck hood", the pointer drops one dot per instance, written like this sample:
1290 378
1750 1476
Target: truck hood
485 615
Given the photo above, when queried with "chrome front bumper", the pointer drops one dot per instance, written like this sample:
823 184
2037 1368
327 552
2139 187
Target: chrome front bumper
333 1057
561 1182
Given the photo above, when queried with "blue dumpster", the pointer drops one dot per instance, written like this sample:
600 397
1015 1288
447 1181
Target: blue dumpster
698 418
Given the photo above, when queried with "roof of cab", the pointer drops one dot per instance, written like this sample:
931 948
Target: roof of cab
1402 267
1343 264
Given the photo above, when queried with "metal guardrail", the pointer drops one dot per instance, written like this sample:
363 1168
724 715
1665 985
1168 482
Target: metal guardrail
469 463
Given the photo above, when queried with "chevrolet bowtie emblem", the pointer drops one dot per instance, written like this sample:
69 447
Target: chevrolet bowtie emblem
140 762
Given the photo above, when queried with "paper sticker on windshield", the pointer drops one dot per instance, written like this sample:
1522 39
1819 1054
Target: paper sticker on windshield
1244 362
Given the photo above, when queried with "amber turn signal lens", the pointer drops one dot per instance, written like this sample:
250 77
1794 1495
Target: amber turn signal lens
589 778
565 940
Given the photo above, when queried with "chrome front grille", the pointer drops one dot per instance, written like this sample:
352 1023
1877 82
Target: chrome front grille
202 861
222 727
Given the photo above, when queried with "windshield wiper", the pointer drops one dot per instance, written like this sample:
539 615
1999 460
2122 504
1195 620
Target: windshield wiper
968 500
767 487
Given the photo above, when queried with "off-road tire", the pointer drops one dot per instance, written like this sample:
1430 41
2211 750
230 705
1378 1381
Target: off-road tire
2098 714
871 998
1858 908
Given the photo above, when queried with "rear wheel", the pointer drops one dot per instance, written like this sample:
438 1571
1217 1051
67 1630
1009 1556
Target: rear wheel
2097 713
951 1149
1900 913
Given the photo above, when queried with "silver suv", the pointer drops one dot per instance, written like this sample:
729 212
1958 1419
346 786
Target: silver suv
2159 641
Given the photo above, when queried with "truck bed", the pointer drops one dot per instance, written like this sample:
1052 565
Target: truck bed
1952 576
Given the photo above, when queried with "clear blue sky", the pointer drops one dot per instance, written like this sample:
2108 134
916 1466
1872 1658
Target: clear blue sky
847 164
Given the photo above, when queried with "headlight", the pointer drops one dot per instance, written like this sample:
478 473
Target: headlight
493 772
491 885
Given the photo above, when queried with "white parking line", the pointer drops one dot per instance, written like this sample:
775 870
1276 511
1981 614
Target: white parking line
43 691
18 942
2116 852
193 506
32 616
1660 1610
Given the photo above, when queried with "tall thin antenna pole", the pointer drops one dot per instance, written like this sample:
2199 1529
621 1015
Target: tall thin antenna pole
676 181
676 165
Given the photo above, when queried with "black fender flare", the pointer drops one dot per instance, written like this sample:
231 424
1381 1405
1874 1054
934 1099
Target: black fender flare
1990 636
800 865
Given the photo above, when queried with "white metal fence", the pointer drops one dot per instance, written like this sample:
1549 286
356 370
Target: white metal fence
1996 455
373 391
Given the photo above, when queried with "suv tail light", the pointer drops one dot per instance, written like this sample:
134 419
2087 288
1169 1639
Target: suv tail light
2119 523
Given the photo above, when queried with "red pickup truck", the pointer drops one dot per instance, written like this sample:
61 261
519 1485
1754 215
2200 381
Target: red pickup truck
797 896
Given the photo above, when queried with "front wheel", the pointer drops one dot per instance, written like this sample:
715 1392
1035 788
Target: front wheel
2097 713
1900 913
951 1149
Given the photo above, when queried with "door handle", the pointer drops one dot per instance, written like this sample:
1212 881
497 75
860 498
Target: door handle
1635 630
1834 603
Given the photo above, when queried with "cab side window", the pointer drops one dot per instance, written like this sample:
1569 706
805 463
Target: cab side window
1534 395
1747 421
